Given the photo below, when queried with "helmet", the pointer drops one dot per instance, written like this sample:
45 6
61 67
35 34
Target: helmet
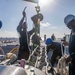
0 24
48 41
68 18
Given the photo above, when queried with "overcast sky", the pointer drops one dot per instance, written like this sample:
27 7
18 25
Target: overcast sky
53 11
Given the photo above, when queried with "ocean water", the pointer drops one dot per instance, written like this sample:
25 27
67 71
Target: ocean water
8 48
15 44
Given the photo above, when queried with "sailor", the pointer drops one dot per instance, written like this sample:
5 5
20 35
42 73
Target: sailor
24 38
56 48
36 21
0 24
53 37
69 20
0 28
36 40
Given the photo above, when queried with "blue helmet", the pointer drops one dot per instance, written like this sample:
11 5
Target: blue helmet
0 24
48 41
69 18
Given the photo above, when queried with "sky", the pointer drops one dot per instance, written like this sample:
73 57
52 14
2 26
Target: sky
53 11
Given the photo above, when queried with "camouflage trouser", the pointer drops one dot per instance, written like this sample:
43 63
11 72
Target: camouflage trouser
23 53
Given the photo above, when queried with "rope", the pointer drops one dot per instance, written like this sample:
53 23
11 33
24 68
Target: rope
46 60
61 66
32 53
12 51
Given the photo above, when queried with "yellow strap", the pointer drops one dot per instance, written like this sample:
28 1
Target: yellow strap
13 51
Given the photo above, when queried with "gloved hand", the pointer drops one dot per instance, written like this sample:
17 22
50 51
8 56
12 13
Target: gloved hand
68 59
65 43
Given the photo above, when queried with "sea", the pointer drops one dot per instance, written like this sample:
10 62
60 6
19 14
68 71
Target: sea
7 44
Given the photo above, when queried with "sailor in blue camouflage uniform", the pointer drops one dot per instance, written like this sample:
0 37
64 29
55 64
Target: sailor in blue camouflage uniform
55 47
70 22
24 38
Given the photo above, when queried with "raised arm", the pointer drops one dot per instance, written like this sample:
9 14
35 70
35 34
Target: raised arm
19 27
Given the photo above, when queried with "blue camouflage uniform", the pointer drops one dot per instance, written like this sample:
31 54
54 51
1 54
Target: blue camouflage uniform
72 49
